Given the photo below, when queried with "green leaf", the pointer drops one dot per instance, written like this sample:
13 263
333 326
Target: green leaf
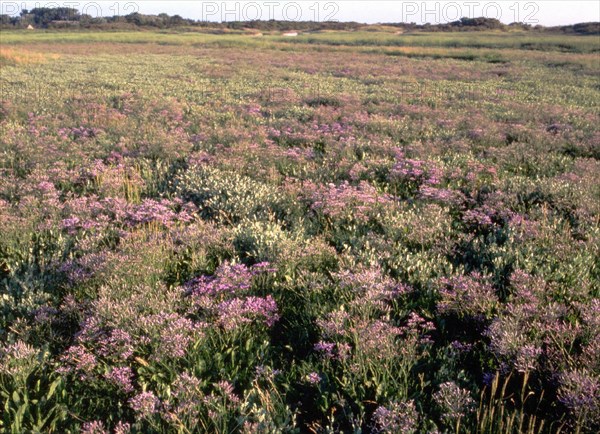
52 388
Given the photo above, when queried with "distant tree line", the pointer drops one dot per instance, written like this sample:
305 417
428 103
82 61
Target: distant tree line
63 17
482 23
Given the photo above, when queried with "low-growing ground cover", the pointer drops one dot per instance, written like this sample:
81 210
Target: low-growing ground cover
335 233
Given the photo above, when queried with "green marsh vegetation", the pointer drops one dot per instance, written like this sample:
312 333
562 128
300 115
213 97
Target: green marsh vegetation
338 232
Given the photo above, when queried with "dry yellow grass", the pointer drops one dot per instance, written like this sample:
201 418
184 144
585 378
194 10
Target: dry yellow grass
24 57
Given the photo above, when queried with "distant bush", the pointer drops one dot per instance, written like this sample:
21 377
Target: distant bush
61 17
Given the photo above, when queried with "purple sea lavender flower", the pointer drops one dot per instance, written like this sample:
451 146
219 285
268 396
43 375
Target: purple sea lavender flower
527 358
94 427
590 313
17 358
461 347
335 324
442 195
228 279
416 172
454 401
77 358
145 404
396 418
313 378
467 296
409 169
579 391
266 372
343 351
85 132
263 267
118 343
226 388
371 285
121 377
488 378
188 396
506 336
152 211
417 323
253 109
237 311
477 218
170 333
326 348
346 200
415 332
45 314
177 335
122 428
377 339
185 385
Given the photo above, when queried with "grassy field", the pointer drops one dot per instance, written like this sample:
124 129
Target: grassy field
339 232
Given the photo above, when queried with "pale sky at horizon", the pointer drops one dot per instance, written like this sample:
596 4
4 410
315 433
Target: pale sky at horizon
545 12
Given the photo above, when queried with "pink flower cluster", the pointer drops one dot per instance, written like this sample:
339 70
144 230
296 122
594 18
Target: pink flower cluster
346 201
224 296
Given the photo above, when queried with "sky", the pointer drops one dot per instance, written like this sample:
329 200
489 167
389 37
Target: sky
544 12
